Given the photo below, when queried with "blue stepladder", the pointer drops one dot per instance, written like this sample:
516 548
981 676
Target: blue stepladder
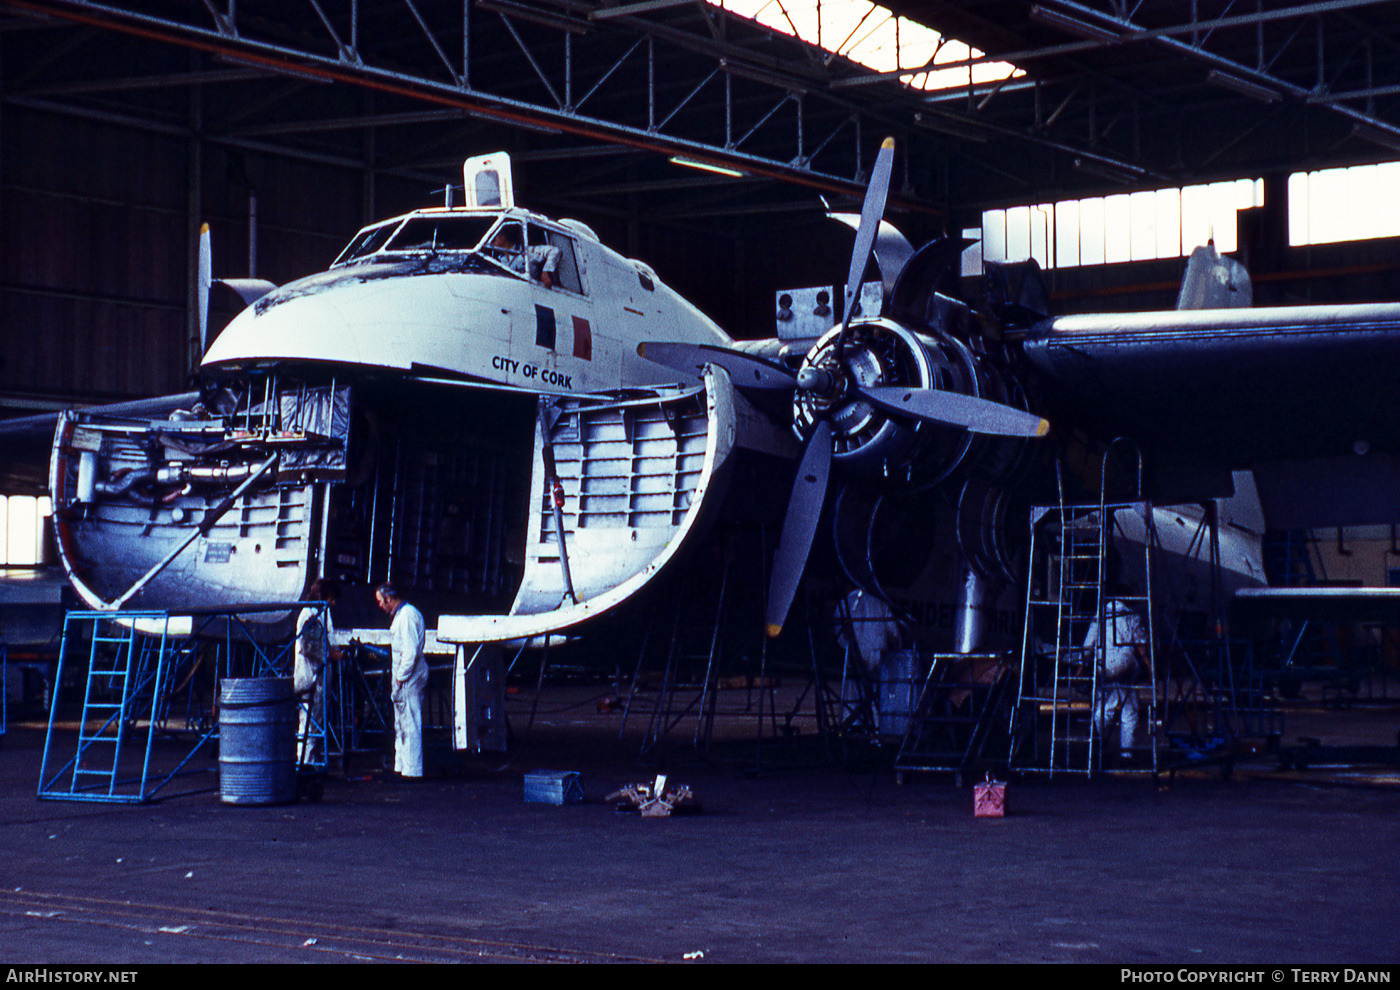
131 657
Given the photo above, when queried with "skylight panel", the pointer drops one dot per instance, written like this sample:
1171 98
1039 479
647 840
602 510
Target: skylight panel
873 36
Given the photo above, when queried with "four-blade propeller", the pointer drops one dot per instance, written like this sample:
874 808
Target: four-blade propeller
938 406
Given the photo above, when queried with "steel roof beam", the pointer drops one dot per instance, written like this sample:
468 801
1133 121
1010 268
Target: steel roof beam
128 83
220 35
1132 32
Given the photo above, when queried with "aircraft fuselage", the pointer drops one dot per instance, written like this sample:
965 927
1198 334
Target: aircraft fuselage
459 386
415 307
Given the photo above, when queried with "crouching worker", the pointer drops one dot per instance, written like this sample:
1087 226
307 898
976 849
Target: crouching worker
313 649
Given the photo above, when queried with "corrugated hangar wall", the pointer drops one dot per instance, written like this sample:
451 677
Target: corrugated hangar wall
97 238
92 259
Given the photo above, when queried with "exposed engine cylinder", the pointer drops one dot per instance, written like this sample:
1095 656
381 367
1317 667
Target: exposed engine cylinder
876 352
869 441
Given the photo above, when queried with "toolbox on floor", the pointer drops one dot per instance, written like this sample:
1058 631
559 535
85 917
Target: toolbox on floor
989 799
553 787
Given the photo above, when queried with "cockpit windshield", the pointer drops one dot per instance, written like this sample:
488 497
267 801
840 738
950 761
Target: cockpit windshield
444 232
441 233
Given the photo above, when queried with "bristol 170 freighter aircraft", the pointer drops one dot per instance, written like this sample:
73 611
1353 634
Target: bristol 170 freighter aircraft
482 404
525 427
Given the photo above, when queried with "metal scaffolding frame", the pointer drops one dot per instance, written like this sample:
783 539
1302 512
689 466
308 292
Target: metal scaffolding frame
138 668
402 51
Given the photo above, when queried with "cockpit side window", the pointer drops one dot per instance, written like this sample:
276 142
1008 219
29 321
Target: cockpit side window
556 249
507 246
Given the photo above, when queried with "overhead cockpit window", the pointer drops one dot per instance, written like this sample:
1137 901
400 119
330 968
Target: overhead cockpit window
441 233
488 188
367 241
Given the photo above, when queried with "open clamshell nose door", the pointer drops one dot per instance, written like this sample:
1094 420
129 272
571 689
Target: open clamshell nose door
632 482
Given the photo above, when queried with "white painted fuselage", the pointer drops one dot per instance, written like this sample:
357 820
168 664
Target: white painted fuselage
463 313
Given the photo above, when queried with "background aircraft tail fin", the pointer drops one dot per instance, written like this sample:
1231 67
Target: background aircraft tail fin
1214 282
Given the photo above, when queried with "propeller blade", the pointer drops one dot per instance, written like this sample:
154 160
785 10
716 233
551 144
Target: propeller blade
800 526
870 215
745 370
205 277
956 409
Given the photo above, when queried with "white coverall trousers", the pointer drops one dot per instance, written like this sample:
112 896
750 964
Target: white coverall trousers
408 728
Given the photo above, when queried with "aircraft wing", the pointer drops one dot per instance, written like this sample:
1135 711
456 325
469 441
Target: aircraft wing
27 441
1301 395
1327 604
630 491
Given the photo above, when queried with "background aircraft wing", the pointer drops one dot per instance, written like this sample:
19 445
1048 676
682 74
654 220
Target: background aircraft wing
1301 395
27 441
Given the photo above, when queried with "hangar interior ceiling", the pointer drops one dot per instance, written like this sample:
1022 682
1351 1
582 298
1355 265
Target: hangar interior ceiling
123 126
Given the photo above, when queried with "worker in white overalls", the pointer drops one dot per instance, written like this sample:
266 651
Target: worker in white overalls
409 671
866 629
1122 655
864 622
313 650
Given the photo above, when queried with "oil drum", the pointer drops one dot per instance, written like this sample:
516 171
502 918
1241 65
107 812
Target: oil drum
257 740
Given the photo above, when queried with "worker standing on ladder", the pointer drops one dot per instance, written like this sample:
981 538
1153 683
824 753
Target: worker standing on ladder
1120 656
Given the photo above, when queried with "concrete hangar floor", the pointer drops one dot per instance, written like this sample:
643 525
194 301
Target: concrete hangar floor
828 862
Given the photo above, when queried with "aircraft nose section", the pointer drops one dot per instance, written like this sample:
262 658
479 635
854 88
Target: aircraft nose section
288 325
